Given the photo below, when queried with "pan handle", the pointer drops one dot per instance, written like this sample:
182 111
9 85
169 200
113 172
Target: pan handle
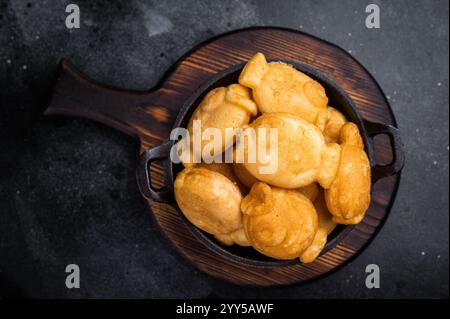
380 171
162 195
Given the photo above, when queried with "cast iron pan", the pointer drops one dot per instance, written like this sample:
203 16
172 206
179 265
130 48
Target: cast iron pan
151 115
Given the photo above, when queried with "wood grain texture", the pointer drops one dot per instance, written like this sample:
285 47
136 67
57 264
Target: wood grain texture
150 116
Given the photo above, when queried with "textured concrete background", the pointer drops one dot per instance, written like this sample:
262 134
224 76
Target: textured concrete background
67 187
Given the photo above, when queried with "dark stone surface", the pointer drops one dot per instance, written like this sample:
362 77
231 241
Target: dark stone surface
67 186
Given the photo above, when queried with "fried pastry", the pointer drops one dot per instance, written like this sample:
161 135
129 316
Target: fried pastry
349 195
209 200
317 245
311 191
279 87
325 226
279 223
226 170
243 175
316 175
325 218
302 156
223 107
330 121
238 237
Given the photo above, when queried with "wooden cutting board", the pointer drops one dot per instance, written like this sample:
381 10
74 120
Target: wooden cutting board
149 117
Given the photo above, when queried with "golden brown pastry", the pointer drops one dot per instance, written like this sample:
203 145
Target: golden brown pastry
317 245
325 226
286 215
243 175
302 156
226 170
330 121
278 87
223 107
311 191
325 218
279 223
209 200
237 237
222 168
349 195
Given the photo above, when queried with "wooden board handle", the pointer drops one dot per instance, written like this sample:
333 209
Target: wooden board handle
128 111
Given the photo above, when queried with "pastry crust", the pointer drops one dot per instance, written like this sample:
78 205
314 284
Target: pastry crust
243 175
325 226
330 121
325 218
302 156
223 107
316 175
238 237
349 195
279 87
311 191
313 251
209 200
279 223
226 170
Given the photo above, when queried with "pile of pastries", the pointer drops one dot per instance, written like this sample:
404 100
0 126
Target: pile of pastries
323 173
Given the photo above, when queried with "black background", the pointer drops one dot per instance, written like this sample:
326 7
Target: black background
67 187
